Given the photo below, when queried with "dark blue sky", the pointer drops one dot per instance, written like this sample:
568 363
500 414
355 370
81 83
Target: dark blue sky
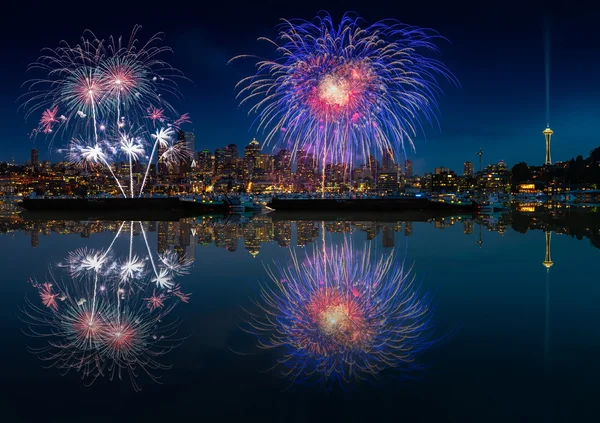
496 52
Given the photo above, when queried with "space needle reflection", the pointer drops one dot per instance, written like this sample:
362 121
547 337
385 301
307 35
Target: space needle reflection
108 315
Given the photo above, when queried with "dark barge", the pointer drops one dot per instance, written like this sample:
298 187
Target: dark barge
132 208
383 204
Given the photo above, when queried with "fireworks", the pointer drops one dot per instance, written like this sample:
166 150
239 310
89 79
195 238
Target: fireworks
97 327
103 89
343 315
348 91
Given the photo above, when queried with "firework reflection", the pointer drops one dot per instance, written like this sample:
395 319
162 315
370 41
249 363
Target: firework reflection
341 314
108 316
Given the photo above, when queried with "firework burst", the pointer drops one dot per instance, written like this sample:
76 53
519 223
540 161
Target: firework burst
341 314
346 91
103 88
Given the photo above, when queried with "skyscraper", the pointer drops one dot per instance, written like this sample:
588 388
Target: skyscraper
204 162
220 160
251 155
35 162
408 168
468 169
190 139
283 166
387 161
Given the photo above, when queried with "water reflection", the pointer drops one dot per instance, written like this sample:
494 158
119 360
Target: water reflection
101 313
342 313
184 235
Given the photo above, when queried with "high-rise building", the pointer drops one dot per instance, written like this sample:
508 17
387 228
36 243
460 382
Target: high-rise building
387 161
468 169
408 170
282 166
231 159
220 162
305 166
251 155
440 170
190 139
35 162
204 162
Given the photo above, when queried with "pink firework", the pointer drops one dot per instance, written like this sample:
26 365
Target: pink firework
121 77
155 114
184 118
88 327
182 296
121 339
48 119
48 297
155 301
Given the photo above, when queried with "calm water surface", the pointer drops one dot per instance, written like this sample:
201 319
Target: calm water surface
490 329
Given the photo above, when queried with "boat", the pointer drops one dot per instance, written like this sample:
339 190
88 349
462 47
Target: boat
380 204
490 204
132 207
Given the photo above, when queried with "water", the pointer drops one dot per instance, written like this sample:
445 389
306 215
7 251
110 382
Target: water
513 340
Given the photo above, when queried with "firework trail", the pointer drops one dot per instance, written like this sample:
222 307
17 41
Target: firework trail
346 91
98 328
342 315
105 90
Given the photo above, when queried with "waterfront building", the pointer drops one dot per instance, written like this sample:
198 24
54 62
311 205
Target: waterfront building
387 181
444 182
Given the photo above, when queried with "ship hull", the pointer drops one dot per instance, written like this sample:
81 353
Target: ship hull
367 205
120 208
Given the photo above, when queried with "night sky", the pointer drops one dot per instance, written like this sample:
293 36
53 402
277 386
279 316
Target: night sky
496 51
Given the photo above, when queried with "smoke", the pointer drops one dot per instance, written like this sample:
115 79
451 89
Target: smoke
547 39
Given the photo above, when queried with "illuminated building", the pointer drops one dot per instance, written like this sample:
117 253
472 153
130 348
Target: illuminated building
282 166
387 181
444 182
204 162
219 162
440 170
468 169
251 155
230 160
548 135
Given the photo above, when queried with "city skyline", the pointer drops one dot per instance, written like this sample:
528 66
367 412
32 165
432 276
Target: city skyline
505 121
